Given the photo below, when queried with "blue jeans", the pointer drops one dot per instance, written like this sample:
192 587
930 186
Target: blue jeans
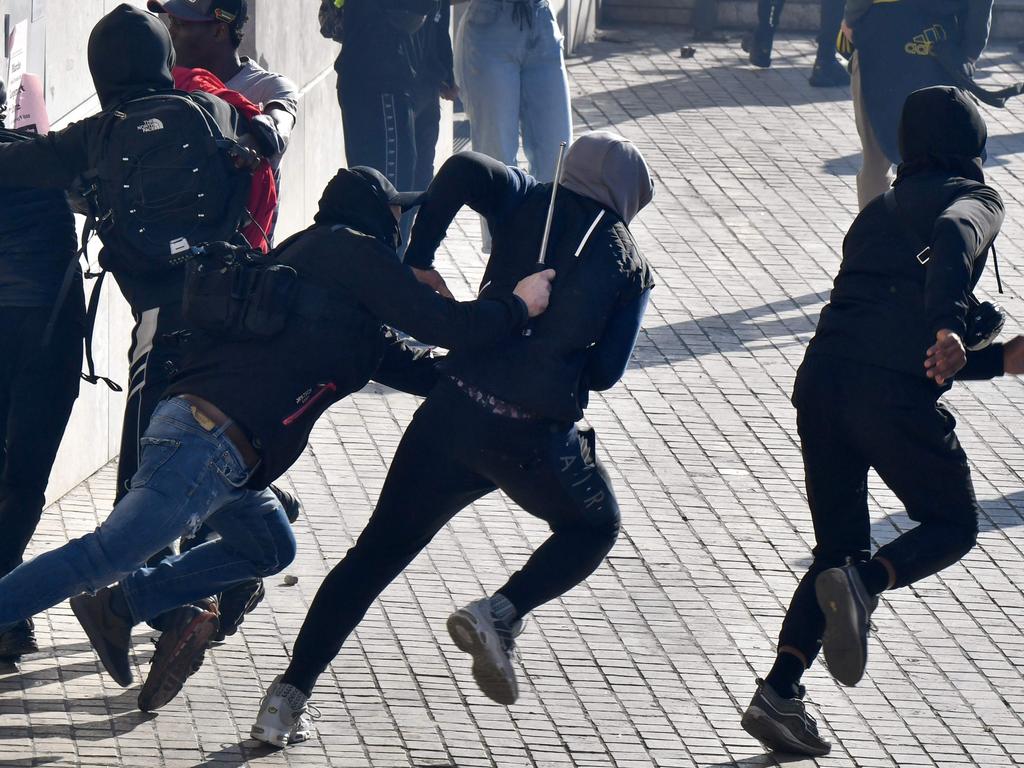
186 476
512 75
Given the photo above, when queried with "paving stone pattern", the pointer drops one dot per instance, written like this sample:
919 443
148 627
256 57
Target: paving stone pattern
651 662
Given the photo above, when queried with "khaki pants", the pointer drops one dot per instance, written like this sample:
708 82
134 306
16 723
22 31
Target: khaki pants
875 175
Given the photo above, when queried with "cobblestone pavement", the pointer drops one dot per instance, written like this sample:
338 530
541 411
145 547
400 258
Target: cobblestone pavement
650 662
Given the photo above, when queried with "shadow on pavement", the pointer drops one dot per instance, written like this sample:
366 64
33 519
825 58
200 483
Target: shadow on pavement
729 331
28 762
767 760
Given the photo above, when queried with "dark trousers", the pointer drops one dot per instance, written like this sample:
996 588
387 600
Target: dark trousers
851 418
769 13
379 131
154 358
453 453
38 387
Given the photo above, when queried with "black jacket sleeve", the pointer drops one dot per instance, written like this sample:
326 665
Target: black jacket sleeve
961 234
975 26
391 292
607 360
49 162
405 368
984 364
486 185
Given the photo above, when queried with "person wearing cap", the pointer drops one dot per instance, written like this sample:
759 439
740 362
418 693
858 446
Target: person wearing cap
888 345
502 415
207 35
216 442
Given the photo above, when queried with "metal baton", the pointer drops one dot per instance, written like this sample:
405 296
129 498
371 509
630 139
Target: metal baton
542 257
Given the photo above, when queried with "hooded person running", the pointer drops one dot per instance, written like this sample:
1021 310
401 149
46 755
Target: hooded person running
503 415
216 441
888 344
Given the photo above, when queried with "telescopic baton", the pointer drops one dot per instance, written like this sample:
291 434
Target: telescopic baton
542 256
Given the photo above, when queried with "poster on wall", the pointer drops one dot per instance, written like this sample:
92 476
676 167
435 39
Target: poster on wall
17 44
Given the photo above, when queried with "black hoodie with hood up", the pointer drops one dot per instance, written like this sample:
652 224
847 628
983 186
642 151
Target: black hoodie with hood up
277 388
130 55
886 307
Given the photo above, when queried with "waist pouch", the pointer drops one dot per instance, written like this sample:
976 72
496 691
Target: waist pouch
238 298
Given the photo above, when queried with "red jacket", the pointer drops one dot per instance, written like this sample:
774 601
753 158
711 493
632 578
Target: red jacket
263 198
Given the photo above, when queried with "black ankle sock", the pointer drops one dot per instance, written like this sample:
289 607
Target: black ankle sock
785 675
119 605
874 575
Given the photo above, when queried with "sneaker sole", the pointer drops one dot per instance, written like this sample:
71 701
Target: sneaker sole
166 680
85 619
774 737
841 643
278 738
497 687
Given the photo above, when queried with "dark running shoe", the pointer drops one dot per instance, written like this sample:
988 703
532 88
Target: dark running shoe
235 603
847 606
179 654
783 725
757 53
109 634
829 73
292 506
18 641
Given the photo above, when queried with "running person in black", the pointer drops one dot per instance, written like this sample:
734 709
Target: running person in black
887 346
503 416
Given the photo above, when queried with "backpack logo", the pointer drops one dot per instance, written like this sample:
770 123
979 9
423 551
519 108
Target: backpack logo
152 125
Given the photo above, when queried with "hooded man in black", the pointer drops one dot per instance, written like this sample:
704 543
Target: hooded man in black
503 415
130 55
887 346
216 440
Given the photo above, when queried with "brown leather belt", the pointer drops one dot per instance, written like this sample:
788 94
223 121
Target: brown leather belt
210 417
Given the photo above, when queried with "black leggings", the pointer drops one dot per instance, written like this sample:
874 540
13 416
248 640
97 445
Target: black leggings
852 418
453 453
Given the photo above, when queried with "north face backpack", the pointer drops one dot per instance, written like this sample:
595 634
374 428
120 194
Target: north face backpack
162 180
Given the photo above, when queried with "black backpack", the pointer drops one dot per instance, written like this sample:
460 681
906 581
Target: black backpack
162 180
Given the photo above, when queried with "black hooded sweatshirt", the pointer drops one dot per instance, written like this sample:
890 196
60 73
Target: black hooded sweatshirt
886 307
130 55
277 388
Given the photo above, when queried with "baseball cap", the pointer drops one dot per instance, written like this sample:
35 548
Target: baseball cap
384 188
231 12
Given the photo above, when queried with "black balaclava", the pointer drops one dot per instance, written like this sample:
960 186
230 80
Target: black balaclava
358 198
130 54
941 130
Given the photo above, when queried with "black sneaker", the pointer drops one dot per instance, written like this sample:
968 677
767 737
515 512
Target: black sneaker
783 725
757 52
829 73
179 654
18 641
847 606
235 603
109 634
292 506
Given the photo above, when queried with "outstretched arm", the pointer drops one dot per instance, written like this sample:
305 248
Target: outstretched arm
486 185
48 162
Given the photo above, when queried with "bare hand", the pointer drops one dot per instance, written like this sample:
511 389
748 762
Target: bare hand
433 278
535 291
1013 356
847 32
450 92
945 357
244 154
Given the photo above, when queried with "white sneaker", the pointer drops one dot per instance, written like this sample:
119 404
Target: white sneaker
491 643
283 718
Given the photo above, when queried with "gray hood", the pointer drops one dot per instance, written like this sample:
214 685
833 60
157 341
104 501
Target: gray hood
609 169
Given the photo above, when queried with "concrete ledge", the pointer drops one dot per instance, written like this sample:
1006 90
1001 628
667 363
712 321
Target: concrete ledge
799 15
